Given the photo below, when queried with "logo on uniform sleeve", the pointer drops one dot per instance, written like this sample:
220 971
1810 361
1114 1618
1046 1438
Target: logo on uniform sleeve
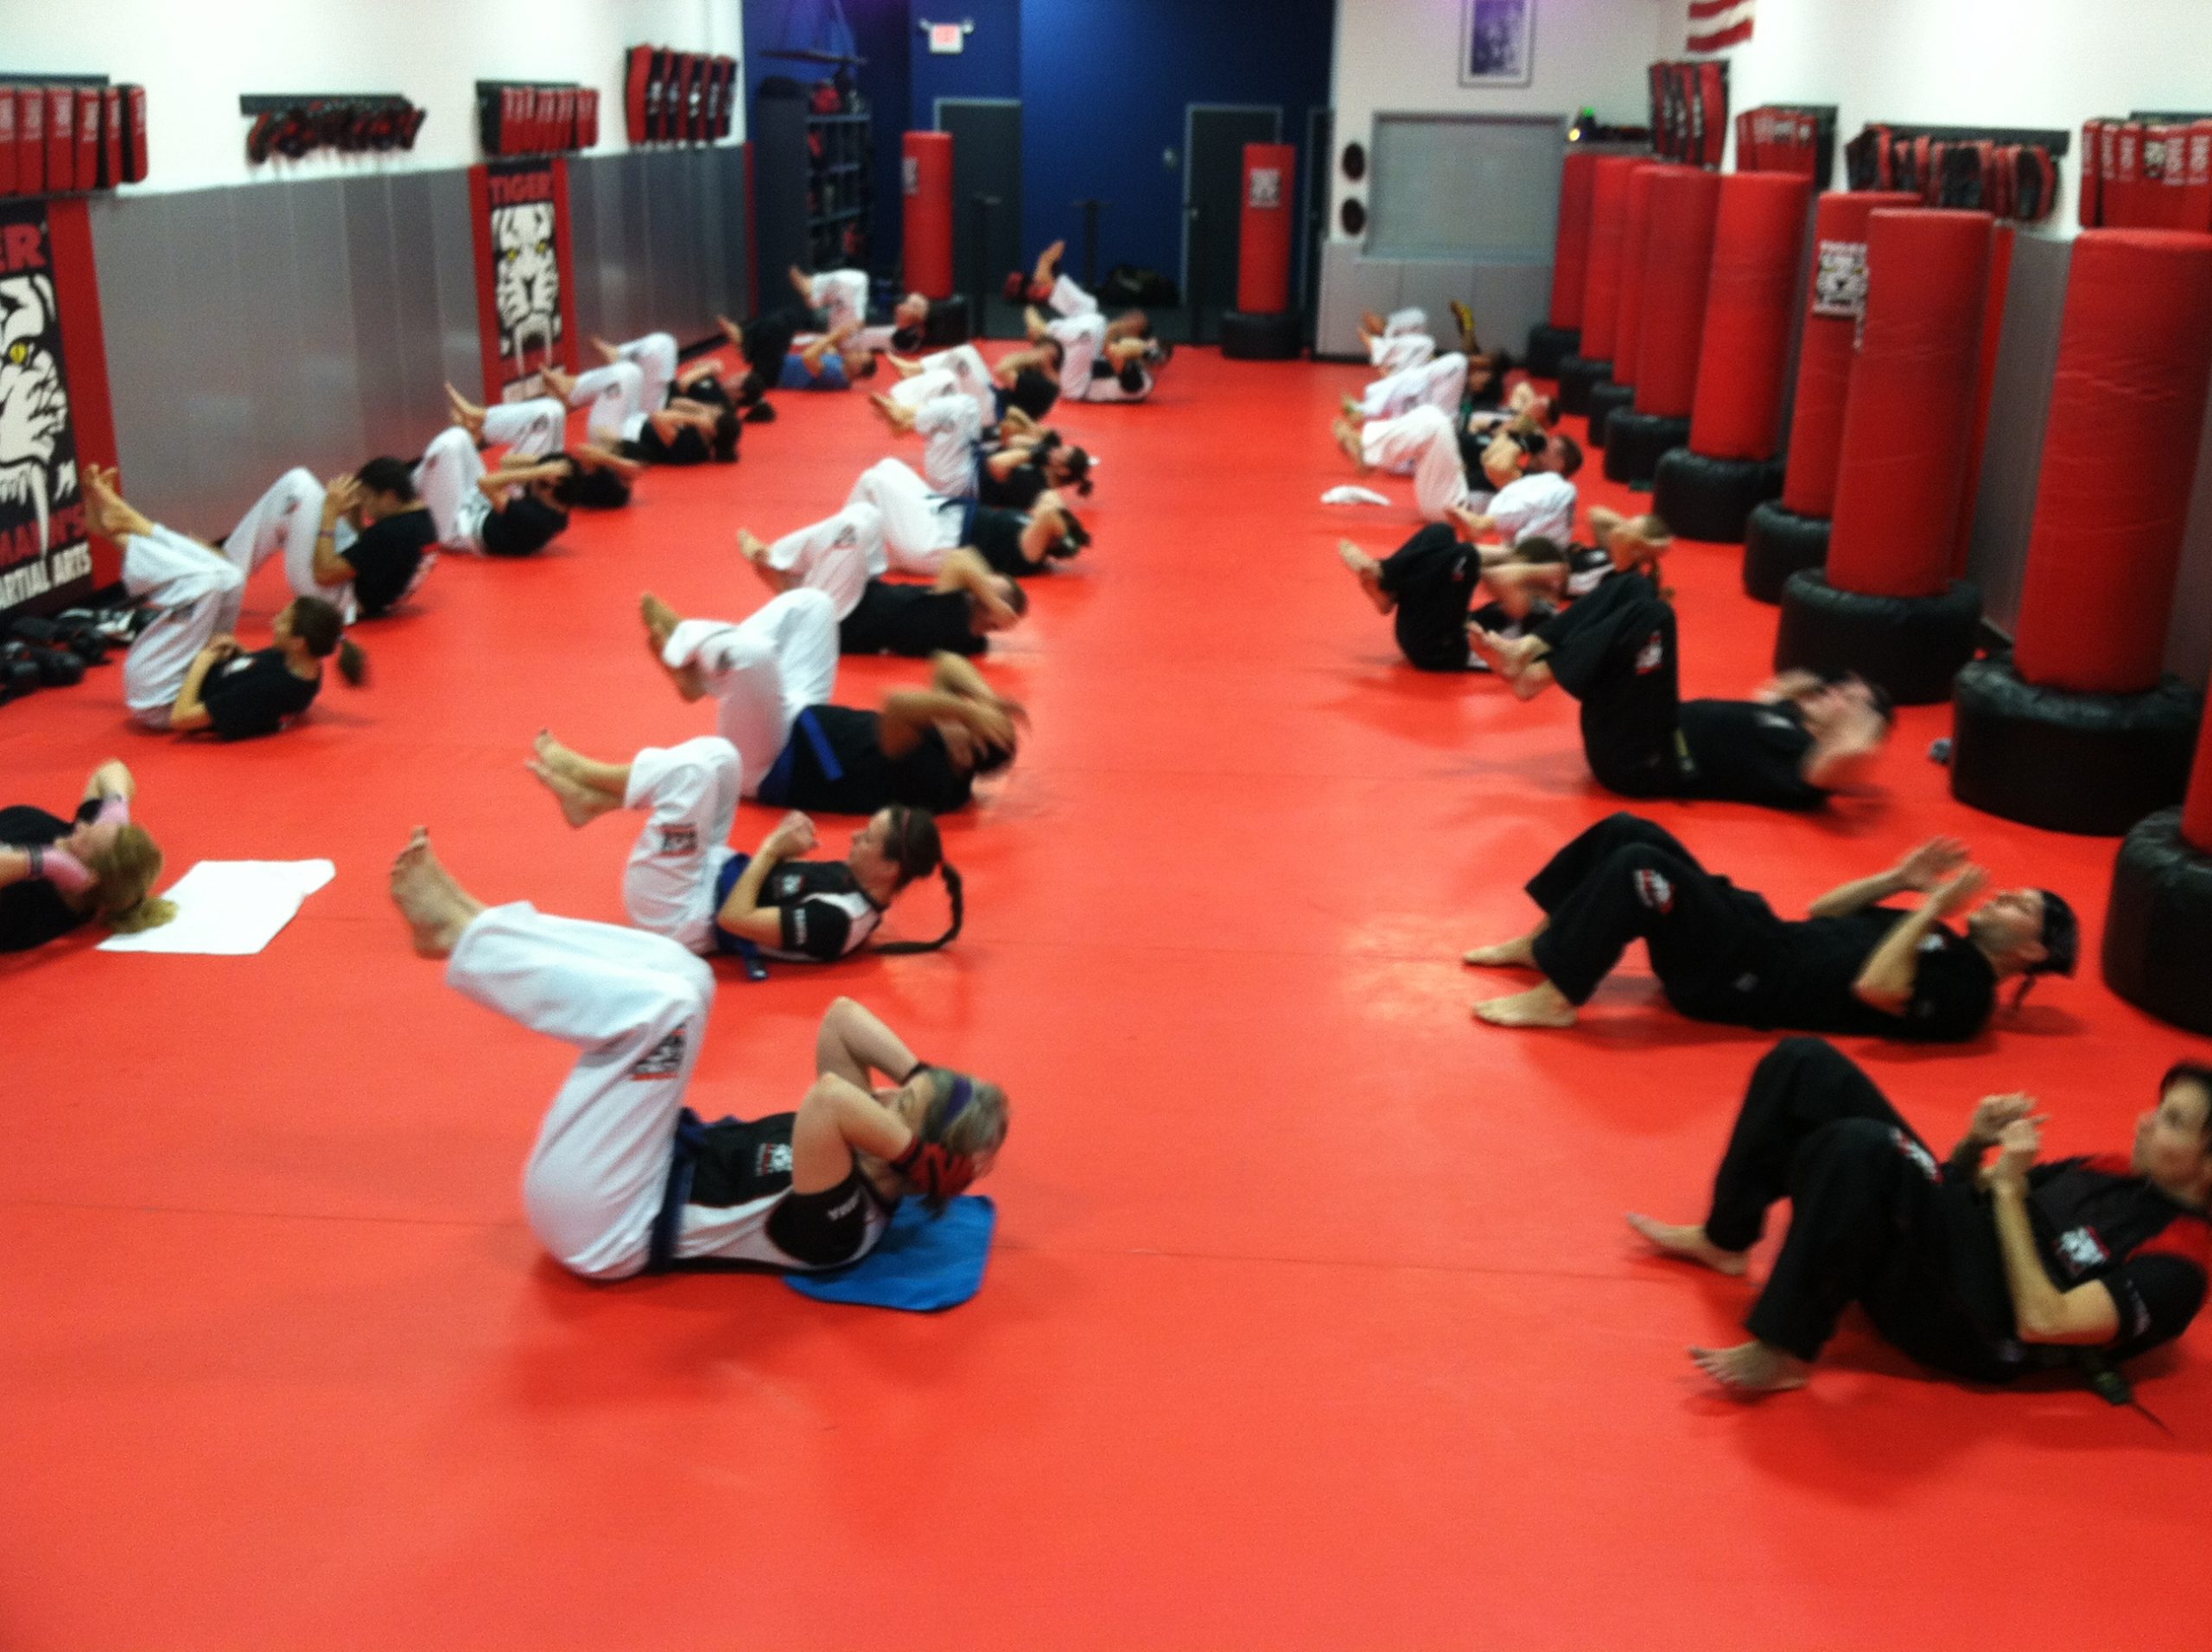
848 537
2081 1249
679 840
799 925
663 1060
788 883
772 1158
1653 891
1918 1154
1652 656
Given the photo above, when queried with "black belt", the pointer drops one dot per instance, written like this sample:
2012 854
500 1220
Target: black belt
690 1134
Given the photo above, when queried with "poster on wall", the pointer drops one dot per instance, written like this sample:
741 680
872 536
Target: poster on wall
45 557
525 293
1497 42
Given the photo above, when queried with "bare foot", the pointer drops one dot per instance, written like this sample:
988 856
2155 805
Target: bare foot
661 620
1350 405
579 803
1753 1367
1466 318
1368 572
751 546
1543 1005
1690 1244
1519 953
435 907
562 759
1347 436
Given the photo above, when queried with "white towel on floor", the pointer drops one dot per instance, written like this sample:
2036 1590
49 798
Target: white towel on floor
1347 494
229 909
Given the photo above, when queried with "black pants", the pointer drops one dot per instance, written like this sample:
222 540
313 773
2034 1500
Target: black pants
1872 1220
768 340
1615 652
1434 576
1626 878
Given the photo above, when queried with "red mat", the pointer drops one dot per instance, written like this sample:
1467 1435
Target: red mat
1312 1322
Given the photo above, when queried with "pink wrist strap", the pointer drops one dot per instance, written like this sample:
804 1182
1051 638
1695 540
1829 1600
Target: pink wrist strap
115 810
62 869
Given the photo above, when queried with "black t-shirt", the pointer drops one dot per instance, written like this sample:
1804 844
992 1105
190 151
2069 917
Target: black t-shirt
866 780
1815 960
386 557
2095 1219
687 447
997 537
823 910
910 619
32 912
599 488
1748 752
254 694
707 390
1587 568
1016 491
524 525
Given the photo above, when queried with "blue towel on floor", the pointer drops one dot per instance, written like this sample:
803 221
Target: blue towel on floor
922 1264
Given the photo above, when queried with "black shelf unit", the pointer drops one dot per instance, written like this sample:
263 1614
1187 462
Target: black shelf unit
814 187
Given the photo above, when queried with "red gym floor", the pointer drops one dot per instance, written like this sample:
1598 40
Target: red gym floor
1312 1321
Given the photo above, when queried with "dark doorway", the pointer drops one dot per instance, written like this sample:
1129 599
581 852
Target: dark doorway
985 160
1320 150
1213 182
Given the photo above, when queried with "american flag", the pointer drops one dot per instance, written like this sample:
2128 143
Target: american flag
1715 25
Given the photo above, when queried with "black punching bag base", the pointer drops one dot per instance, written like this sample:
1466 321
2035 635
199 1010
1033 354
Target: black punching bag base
1712 498
2088 763
1908 646
2158 951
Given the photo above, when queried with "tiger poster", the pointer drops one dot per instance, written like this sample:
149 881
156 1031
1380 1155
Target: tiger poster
526 298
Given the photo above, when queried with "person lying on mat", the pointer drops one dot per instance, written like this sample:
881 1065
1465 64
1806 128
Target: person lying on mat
684 882
772 675
511 510
1024 382
1853 965
1050 287
958 614
1798 741
625 1178
1526 589
625 419
592 476
1985 1270
1093 366
56 875
1028 461
1401 339
1530 482
361 543
920 528
185 671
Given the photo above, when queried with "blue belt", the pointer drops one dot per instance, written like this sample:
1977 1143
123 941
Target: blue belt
675 1193
748 954
776 784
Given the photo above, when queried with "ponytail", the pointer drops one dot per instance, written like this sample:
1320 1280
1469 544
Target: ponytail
917 850
352 662
954 896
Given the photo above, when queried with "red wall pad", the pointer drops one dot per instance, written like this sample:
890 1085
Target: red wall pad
1707 490
2078 731
1887 606
1601 283
1677 262
1263 326
1619 391
928 182
1551 344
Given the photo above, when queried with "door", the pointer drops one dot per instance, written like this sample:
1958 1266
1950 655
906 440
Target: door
985 160
1319 157
1213 183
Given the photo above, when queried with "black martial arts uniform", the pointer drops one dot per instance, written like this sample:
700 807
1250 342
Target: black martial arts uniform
522 527
996 536
1015 491
1615 652
386 557
910 619
254 694
1433 578
824 911
835 762
1721 954
686 447
1876 1219
32 912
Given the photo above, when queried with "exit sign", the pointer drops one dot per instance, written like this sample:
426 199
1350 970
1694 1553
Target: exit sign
948 39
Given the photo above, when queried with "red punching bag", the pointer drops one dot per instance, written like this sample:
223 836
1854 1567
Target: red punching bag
1636 236
927 164
1571 252
1748 308
1678 256
1601 281
1264 245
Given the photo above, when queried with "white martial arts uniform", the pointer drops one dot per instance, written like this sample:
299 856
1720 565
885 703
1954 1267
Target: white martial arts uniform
289 517
1395 352
841 296
1540 504
527 429
764 671
1068 299
636 1007
654 357
1083 341
1440 384
196 594
834 555
446 481
1398 322
961 368
616 395
1424 444
951 428
918 526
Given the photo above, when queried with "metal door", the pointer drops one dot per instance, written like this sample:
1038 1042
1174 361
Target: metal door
985 160
1213 183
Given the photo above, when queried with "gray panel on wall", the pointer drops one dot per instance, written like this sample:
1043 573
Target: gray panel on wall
453 243
321 417
1481 185
1351 284
1508 299
2020 401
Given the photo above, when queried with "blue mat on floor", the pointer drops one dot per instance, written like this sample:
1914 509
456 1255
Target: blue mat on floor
922 1265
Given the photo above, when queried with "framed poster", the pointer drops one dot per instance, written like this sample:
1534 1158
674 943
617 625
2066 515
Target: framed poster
526 303
1497 42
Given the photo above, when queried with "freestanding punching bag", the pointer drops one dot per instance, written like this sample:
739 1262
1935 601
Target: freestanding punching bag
1550 344
1592 363
1677 262
2157 949
926 168
2080 731
1706 491
1887 606
1263 326
1619 391
1785 535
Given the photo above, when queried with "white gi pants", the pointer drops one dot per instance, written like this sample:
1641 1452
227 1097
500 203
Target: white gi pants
654 357
1411 319
1439 384
1423 443
528 429
950 427
1068 299
834 555
764 671
918 526
841 296
1109 388
446 482
288 518
1393 353
962 368
1082 336
197 593
616 395
693 791
635 1005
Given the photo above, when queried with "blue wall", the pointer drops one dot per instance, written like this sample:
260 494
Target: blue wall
989 67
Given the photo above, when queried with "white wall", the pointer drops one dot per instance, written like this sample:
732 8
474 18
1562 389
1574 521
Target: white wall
196 57
2044 63
1402 57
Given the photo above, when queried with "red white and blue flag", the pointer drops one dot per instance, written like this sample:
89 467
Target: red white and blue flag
1716 25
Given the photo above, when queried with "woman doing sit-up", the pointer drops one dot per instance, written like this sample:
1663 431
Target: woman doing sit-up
56 875
956 613
684 882
361 543
625 1178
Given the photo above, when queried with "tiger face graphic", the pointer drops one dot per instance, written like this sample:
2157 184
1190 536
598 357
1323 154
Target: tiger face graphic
38 461
527 285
